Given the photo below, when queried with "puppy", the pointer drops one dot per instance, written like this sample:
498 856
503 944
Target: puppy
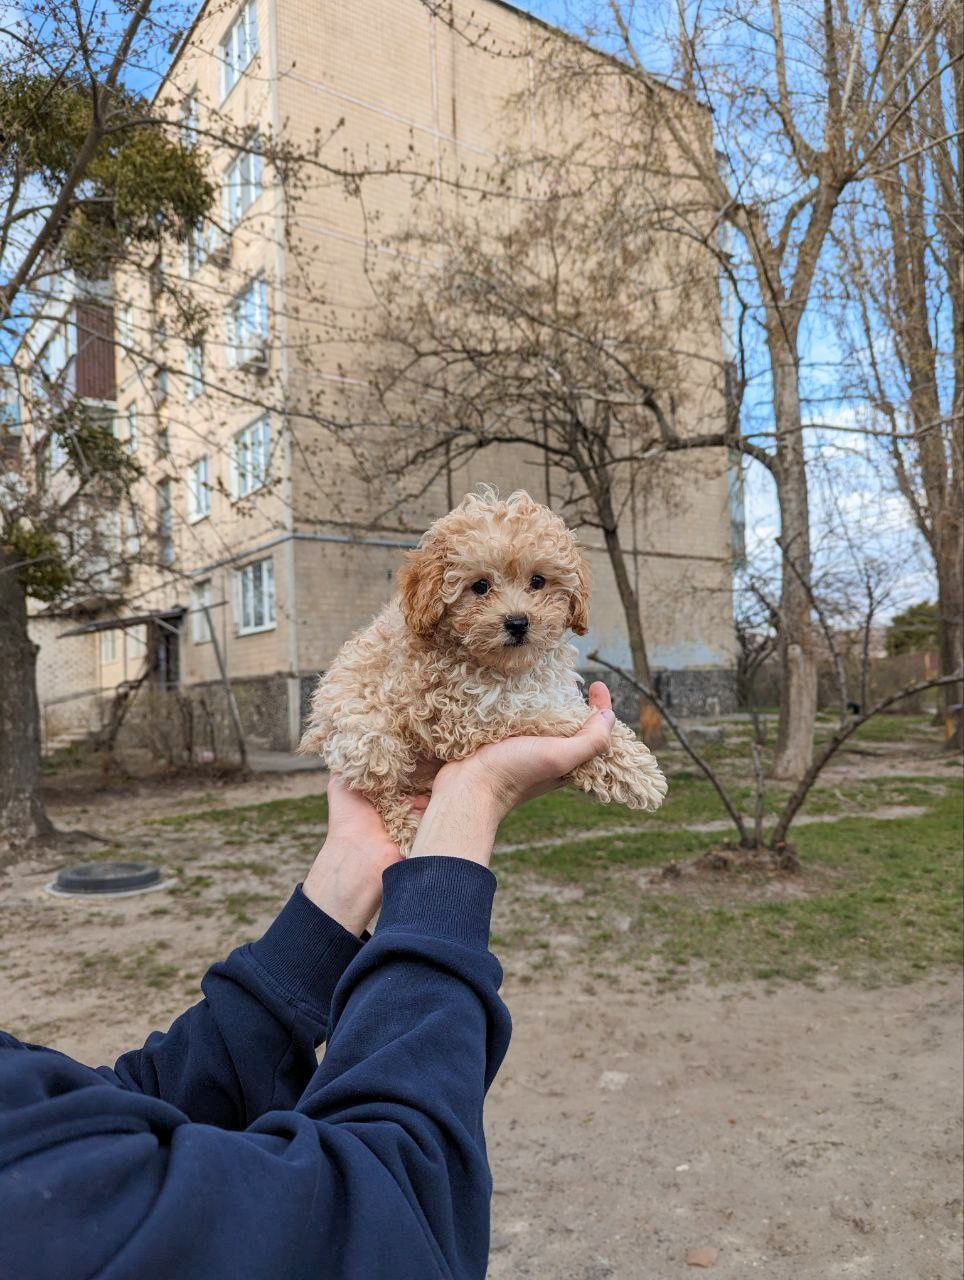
471 651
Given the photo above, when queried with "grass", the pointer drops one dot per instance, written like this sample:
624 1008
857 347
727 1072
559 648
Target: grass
691 799
145 967
271 819
880 901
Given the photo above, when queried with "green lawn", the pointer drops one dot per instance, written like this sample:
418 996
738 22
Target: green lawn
878 901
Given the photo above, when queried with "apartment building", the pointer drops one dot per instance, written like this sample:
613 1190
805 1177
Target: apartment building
266 549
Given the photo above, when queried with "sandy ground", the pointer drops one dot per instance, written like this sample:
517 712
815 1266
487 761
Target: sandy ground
797 1134
801 1134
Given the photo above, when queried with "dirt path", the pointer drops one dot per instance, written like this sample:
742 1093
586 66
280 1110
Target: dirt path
803 1134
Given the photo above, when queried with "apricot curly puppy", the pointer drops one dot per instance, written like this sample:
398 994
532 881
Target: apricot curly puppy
471 651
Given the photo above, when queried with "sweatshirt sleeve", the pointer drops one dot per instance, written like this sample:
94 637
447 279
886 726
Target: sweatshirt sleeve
249 1046
379 1170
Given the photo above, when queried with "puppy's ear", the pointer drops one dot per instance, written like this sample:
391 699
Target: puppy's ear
420 582
578 618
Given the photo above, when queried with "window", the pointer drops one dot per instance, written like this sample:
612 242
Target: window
254 596
133 430
108 647
125 325
196 249
198 491
238 47
242 184
200 600
165 530
189 119
135 640
246 325
161 381
250 458
130 534
194 369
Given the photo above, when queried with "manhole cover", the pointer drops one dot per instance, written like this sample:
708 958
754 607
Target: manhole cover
107 877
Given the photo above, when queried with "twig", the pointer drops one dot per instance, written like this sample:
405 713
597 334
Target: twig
687 746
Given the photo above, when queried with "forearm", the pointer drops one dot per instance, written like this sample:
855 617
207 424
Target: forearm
380 1171
249 1046
462 821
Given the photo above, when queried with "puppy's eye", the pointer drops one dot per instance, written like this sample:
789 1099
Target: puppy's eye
481 587
538 582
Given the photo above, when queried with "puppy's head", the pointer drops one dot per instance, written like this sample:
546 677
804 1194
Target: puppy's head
502 580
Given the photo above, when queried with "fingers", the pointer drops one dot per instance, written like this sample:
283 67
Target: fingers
599 697
591 740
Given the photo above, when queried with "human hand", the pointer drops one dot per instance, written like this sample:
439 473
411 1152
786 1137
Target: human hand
345 880
470 797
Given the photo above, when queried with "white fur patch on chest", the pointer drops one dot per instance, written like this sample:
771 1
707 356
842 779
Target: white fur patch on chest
468 704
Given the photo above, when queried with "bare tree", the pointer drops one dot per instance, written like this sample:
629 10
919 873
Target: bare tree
902 247
562 330
802 110
101 186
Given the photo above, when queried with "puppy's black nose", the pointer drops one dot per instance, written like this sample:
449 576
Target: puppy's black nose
517 624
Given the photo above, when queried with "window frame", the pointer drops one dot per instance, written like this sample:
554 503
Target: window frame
110 634
238 47
268 597
242 340
198 489
242 184
125 325
200 597
241 471
165 522
193 370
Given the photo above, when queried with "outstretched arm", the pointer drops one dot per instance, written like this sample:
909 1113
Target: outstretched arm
249 1046
380 1171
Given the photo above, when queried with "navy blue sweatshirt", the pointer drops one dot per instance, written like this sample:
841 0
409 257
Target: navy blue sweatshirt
223 1151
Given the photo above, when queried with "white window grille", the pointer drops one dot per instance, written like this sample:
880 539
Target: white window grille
246 325
125 325
200 600
194 370
250 458
254 597
196 249
242 184
133 430
165 525
190 116
108 647
198 491
135 640
238 46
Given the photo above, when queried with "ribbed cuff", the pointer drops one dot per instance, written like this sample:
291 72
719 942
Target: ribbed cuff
438 897
305 951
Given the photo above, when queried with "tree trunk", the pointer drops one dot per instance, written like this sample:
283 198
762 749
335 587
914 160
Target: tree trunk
650 721
22 813
949 558
798 666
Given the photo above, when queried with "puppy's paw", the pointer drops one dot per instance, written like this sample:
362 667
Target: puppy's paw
628 775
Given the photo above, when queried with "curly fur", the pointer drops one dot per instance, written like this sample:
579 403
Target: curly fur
437 675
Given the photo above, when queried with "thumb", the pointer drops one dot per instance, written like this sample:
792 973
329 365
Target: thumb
591 740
